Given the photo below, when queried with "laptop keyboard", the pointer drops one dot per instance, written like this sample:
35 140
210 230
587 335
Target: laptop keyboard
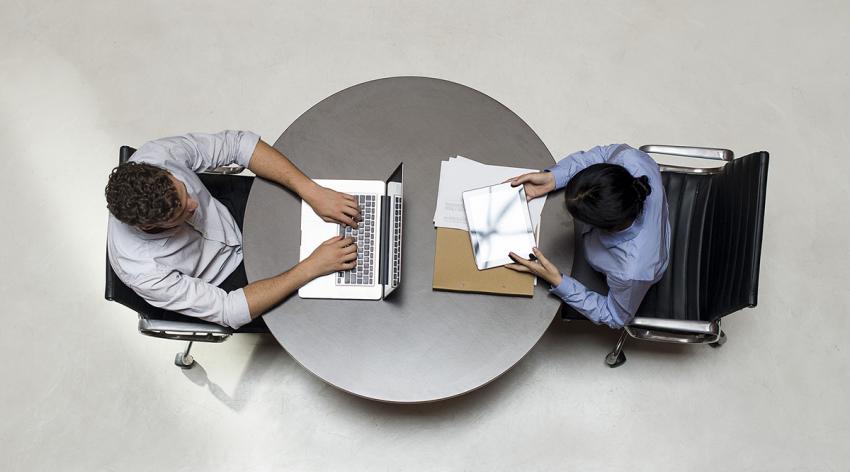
396 241
364 272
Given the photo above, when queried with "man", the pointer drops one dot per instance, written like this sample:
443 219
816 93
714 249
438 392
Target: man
180 249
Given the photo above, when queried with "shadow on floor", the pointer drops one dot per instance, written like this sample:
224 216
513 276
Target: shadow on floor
563 342
265 355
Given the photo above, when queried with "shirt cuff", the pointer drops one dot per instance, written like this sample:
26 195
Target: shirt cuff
560 176
247 143
568 287
237 309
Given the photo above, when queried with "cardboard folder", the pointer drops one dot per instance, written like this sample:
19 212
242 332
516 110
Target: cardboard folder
455 270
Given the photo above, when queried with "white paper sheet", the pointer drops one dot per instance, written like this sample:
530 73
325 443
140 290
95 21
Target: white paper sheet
459 174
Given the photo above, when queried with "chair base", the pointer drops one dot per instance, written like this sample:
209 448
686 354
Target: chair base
721 340
614 359
184 360
617 357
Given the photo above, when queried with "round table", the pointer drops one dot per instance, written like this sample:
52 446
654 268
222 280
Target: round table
420 344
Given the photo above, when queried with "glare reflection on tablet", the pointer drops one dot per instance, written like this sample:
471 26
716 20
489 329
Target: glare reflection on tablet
499 223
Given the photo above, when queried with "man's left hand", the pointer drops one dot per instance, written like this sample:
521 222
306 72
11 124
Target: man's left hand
333 206
540 267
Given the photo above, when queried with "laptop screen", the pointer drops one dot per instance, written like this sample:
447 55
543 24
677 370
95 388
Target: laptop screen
391 260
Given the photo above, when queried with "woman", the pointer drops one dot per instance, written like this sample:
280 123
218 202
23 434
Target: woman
615 192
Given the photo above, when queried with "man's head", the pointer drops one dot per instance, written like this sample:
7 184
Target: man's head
148 197
606 196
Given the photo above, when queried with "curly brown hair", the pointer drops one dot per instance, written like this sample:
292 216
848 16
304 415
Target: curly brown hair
141 194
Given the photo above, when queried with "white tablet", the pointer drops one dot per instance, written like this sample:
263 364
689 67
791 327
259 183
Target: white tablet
499 223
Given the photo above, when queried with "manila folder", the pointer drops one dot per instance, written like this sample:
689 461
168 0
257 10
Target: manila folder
454 269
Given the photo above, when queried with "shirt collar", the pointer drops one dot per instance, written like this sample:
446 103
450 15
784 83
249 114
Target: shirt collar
610 240
153 236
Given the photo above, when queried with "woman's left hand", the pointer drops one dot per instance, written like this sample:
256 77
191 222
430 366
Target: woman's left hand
540 267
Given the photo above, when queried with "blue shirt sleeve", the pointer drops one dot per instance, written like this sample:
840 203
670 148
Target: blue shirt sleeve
616 309
571 165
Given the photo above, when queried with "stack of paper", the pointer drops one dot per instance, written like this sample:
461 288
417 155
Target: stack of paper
460 174
454 261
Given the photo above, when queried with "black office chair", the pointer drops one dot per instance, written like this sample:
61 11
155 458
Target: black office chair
166 324
716 222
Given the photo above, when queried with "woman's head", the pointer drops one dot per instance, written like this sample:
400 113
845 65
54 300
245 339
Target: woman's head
606 196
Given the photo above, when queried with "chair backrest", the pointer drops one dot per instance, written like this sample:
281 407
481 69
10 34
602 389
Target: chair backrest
716 225
115 290
676 295
732 236
124 154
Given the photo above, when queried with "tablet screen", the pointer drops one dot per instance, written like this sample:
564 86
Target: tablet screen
499 223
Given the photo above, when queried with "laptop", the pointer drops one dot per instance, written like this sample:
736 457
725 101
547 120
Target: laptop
378 239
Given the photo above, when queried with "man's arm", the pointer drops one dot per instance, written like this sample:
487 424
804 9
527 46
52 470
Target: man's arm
194 297
200 151
335 254
268 163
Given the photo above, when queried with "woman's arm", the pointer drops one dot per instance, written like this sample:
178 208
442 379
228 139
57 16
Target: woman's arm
576 162
615 310
537 184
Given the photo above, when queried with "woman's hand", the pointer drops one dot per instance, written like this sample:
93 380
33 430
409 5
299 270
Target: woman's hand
334 255
536 184
537 265
333 206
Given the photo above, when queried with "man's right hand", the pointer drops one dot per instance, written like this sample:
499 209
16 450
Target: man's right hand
536 184
334 255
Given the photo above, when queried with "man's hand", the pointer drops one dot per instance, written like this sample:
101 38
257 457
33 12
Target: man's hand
540 267
536 184
333 206
331 256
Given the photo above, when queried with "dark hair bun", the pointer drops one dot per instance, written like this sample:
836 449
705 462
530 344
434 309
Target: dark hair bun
606 196
641 185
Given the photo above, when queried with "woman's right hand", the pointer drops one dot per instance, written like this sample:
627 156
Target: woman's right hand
536 184
334 255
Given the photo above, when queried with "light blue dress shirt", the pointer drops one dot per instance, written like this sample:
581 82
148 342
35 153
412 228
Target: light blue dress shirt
633 259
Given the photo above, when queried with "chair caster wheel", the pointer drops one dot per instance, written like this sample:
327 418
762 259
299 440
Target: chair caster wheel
720 341
184 361
612 360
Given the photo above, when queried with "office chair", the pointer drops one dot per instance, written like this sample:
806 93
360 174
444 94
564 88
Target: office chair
166 324
716 223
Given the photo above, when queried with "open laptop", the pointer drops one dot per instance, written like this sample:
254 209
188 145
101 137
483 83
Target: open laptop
378 239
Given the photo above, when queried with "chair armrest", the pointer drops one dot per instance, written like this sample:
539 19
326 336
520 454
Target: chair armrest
689 151
674 331
183 331
226 170
689 170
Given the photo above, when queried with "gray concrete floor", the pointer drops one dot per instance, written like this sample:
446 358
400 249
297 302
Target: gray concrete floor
82 390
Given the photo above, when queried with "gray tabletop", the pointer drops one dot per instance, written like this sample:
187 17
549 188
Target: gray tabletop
419 345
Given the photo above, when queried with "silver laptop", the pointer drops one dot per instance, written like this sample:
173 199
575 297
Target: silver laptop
378 239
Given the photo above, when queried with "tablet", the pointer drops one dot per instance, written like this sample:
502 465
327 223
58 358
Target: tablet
499 223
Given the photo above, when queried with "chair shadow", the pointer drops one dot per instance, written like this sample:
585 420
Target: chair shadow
566 342
265 354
